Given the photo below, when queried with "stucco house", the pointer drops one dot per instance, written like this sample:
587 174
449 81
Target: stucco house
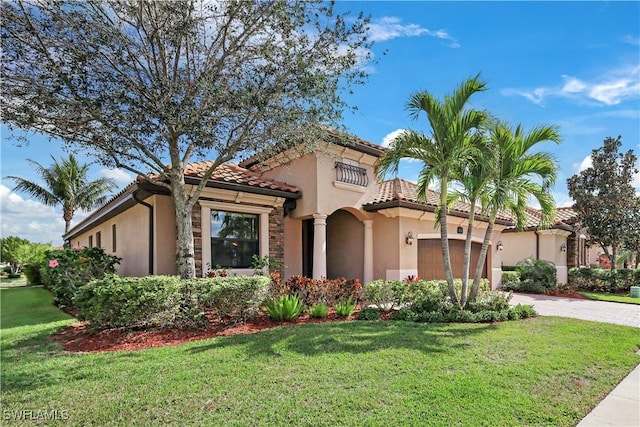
321 214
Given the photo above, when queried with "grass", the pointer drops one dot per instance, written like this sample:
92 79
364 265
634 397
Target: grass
543 371
610 297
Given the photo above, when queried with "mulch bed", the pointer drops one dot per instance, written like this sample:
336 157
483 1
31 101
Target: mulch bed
77 338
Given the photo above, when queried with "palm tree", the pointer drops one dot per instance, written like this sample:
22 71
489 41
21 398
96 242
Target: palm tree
473 179
441 152
518 175
66 184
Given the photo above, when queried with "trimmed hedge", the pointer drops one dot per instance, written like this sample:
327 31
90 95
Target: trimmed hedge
320 291
603 280
386 294
66 270
534 275
168 301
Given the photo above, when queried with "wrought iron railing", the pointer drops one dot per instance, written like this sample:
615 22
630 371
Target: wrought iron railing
351 174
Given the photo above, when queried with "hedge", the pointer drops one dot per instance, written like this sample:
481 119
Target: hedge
168 301
603 280
386 294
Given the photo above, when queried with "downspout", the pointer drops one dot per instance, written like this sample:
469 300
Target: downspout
134 196
537 245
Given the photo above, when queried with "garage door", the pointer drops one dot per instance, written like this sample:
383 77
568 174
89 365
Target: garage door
431 266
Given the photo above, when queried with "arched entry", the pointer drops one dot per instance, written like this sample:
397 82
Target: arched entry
431 266
345 246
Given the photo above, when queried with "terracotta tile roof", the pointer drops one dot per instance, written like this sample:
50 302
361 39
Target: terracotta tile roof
326 134
565 217
231 173
400 190
234 174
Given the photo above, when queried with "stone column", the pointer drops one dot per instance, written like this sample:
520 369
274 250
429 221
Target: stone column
368 251
319 245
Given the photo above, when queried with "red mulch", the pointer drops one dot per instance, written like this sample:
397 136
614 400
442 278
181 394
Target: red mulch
76 337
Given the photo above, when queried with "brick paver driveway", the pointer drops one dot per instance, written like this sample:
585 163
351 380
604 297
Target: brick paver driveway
598 311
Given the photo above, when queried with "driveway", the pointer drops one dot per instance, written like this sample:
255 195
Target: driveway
598 311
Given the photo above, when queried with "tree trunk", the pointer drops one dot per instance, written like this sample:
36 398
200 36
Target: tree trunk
186 252
614 254
67 216
444 241
482 258
467 257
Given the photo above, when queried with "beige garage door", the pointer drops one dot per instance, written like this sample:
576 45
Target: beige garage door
431 266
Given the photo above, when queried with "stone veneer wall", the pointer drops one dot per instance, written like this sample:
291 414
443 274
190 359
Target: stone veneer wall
196 223
276 237
572 251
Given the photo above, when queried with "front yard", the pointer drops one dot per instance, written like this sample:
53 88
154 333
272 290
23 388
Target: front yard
542 371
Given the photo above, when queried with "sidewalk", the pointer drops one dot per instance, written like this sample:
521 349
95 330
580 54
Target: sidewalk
621 407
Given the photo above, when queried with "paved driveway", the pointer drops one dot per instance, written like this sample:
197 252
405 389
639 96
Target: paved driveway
598 311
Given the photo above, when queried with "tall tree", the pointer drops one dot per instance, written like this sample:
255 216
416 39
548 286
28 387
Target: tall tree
605 199
473 178
66 185
441 152
519 174
148 85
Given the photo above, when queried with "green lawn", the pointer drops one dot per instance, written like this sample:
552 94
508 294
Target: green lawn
544 371
610 297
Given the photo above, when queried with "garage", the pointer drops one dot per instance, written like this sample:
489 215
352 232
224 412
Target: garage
431 266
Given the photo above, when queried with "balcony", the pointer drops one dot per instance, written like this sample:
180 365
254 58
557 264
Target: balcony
350 174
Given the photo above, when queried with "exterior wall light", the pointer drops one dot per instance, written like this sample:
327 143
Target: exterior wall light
500 246
460 230
409 239
563 247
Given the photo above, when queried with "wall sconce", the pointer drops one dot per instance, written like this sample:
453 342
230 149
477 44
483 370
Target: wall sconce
409 239
460 230
563 247
500 246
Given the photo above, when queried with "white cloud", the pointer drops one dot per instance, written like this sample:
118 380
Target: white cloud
29 219
121 177
391 136
391 27
586 163
610 88
631 40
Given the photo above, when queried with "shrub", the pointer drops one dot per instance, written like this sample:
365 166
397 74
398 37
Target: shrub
536 276
285 308
369 313
603 280
345 308
383 294
67 270
325 291
168 301
491 301
319 311
510 279
32 273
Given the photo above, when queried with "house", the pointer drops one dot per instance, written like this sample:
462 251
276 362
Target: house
563 244
320 214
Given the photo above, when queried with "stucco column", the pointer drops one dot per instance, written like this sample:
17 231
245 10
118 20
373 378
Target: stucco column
319 245
368 251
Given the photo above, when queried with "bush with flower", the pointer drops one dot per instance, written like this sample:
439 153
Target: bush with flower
68 269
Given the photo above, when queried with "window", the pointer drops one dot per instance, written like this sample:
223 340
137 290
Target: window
113 238
234 239
90 241
99 239
351 174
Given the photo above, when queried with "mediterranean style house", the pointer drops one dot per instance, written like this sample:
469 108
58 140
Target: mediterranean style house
321 214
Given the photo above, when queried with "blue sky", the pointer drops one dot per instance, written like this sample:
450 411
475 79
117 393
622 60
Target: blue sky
572 64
